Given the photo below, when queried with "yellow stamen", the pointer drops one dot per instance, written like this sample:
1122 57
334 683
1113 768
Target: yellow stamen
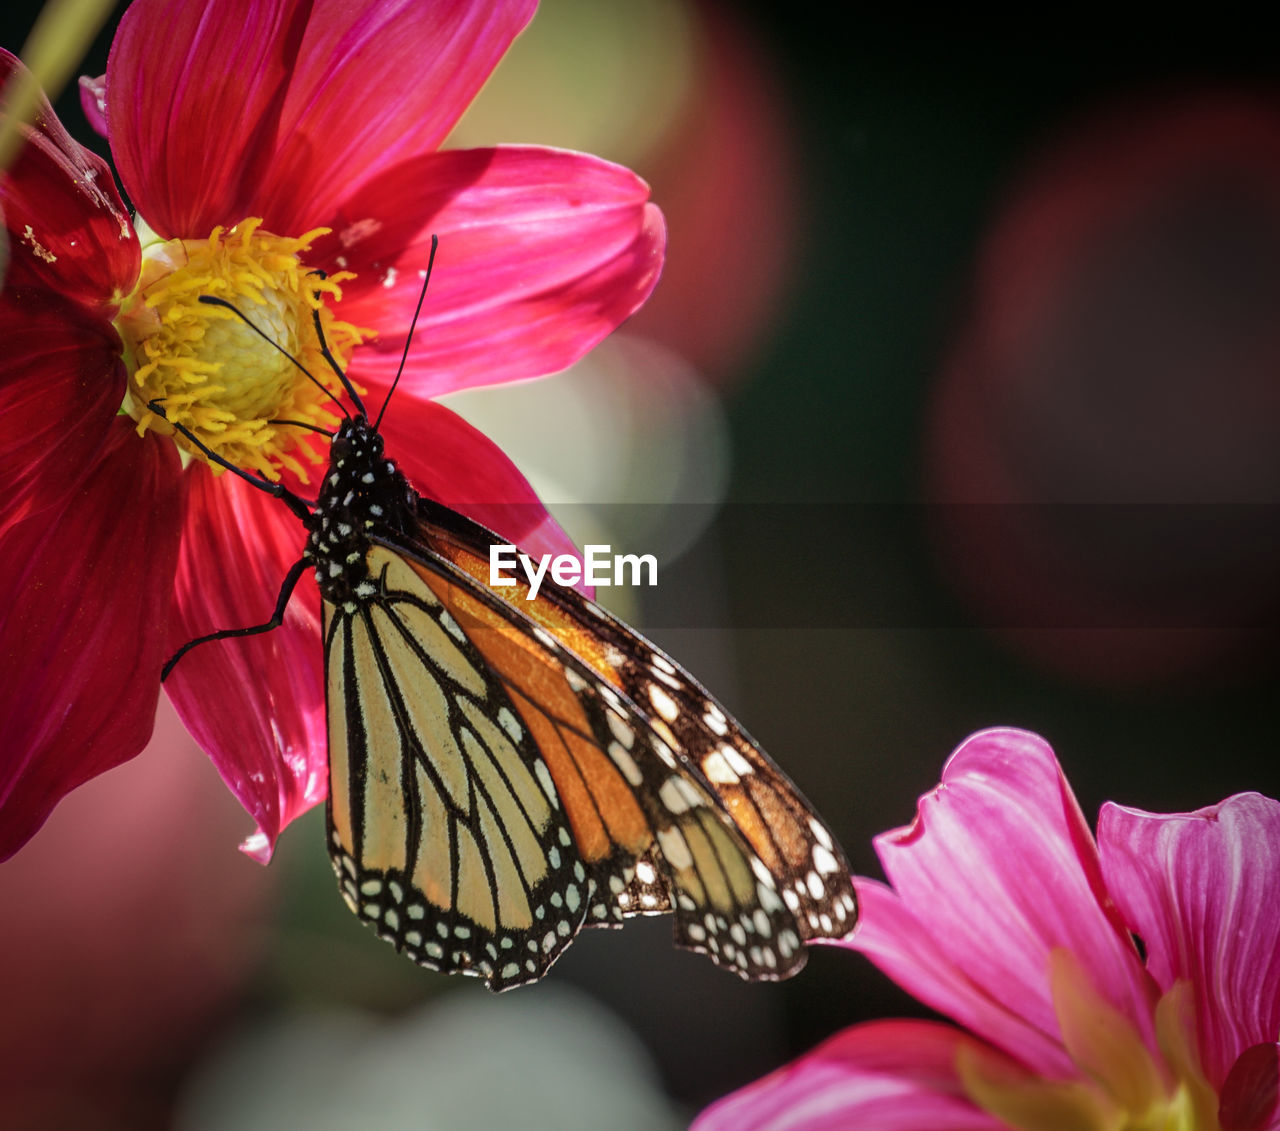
213 374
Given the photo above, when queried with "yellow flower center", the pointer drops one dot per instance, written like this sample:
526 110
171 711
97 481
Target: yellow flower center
1121 1085
232 387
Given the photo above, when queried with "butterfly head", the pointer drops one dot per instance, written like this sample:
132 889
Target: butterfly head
356 440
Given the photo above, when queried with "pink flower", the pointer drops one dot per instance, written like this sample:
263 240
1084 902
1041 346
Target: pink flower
1006 916
259 142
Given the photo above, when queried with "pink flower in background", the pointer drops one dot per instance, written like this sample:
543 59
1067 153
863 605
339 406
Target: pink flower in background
1006 916
259 143
138 936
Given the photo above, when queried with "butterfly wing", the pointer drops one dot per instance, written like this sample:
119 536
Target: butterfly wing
435 830
670 804
785 831
446 833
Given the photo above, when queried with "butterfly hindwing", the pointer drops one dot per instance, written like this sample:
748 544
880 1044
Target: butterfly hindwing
447 834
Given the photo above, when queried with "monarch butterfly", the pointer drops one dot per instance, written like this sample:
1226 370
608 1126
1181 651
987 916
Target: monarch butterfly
504 772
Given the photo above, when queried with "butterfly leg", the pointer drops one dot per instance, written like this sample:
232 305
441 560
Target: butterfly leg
295 503
277 619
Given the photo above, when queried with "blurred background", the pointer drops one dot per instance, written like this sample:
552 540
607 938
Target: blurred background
956 407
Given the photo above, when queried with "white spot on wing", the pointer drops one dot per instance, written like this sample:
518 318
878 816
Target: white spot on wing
824 861
737 763
507 721
717 769
625 763
675 848
544 780
671 796
663 703
819 830
621 731
715 720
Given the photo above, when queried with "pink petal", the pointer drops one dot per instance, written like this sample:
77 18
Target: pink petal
273 108
881 1076
1202 890
542 253
905 945
93 101
1251 1091
68 229
86 599
453 463
61 382
255 705
998 869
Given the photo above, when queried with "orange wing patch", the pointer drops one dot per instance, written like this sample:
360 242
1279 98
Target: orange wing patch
576 637
601 808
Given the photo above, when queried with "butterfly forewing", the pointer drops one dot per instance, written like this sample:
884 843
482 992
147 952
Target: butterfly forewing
781 826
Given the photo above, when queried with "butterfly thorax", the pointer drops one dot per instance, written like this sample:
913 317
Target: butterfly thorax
364 493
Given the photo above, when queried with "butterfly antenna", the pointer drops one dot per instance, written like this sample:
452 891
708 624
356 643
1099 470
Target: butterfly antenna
212 300
435 242
338 371
304 424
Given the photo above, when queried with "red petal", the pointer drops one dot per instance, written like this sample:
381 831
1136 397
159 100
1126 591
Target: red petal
68 229
256 705
448 460
87 601
542 253
273 107
1251 1092
901 942
61 382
